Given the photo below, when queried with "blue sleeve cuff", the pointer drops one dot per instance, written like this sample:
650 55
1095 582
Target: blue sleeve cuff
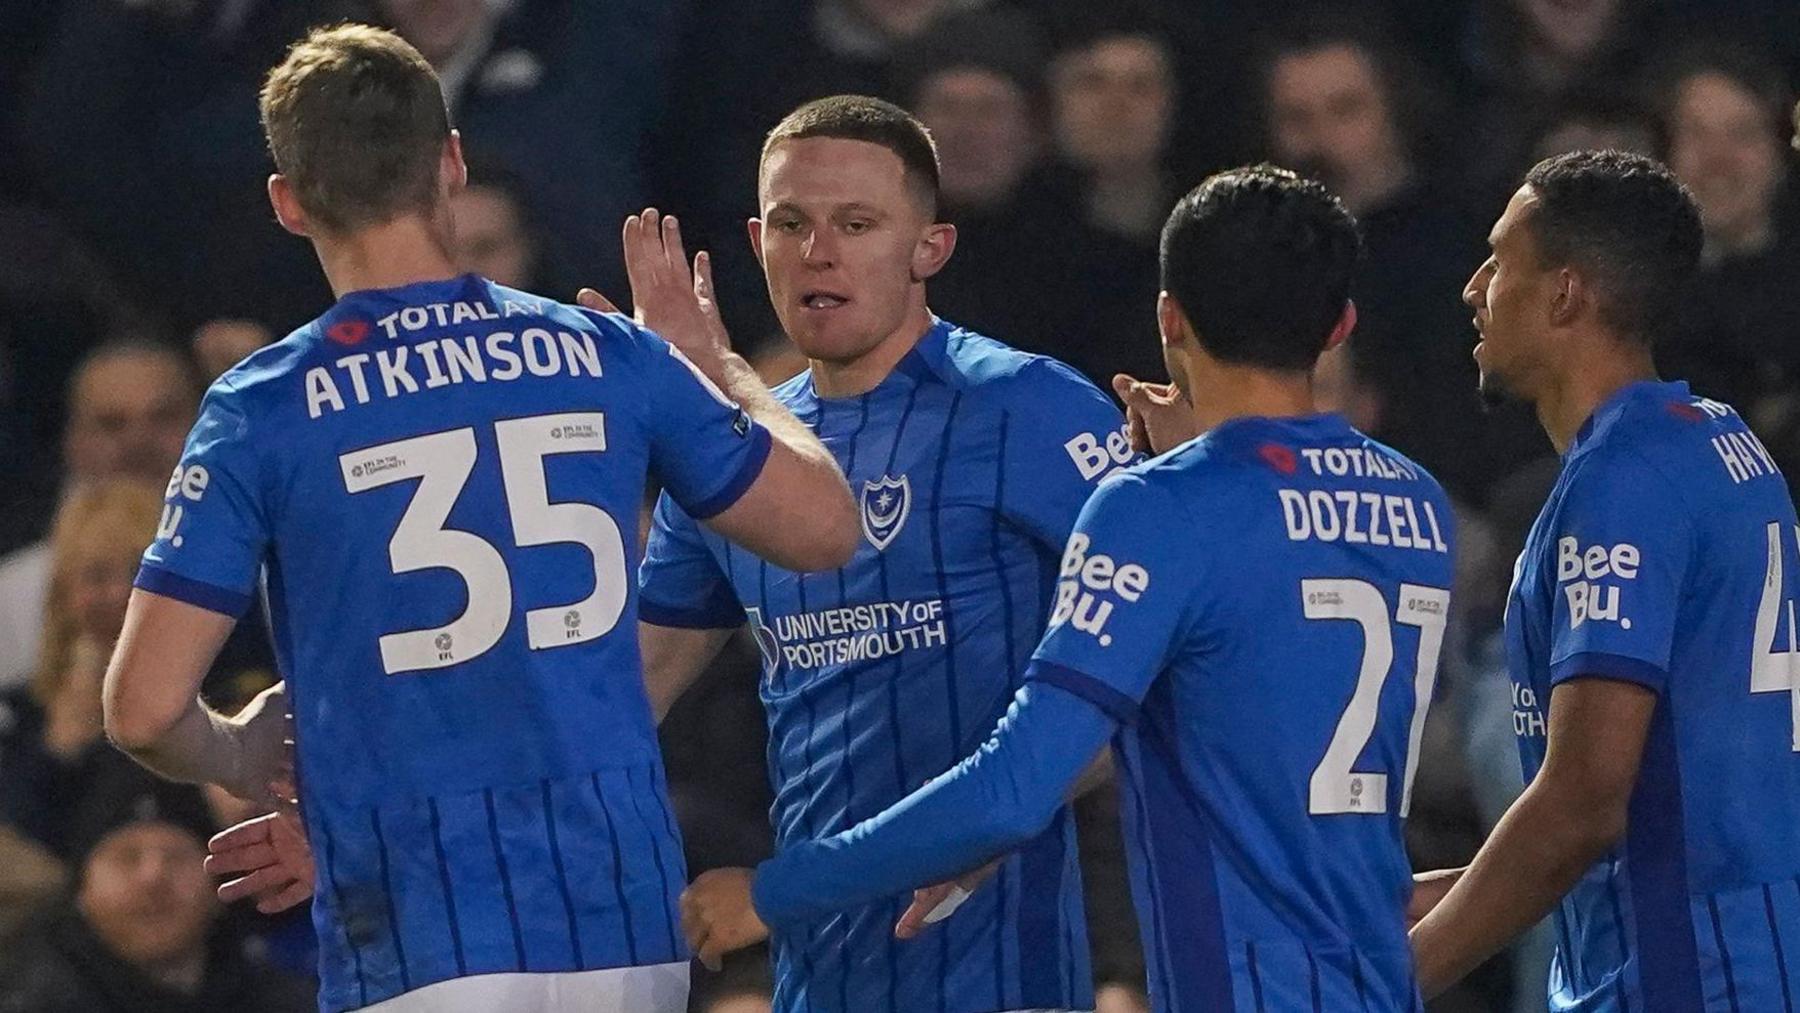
1112 703
732 491
1599 665
716 614
211 597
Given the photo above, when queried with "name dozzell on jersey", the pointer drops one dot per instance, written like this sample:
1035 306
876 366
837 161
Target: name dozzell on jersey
1361 518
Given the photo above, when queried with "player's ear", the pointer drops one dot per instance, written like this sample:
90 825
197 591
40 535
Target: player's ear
1171 322
287 207
933 250
1565 302
453 171
755 226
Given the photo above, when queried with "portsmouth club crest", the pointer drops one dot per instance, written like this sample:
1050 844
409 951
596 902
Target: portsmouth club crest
885 504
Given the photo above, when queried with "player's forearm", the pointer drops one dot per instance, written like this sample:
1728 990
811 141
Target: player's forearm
200 747
1536 854
740 381
996 799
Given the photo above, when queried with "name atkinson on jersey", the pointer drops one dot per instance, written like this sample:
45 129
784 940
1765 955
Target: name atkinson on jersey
402 369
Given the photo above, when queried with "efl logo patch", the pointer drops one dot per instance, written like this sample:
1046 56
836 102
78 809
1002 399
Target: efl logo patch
885 504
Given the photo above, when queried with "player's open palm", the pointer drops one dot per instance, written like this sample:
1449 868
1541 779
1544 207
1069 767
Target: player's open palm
717 915
667 296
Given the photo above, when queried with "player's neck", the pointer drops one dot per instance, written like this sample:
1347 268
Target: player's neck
865 373
1586 384
1223 393
405 251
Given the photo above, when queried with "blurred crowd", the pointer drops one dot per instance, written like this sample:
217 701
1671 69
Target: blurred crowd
138 259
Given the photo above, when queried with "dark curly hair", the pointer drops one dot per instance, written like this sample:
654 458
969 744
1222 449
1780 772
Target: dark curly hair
1260 260
1627 224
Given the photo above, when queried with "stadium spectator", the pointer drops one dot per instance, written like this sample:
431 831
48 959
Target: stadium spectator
54 752
517 82
499 235
140 933
1342 103
1523 56
222 343
975 80
1113 100
130 405
1723 109
1595 123
1114 97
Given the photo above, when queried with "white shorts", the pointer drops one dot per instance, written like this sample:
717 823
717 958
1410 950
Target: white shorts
656 988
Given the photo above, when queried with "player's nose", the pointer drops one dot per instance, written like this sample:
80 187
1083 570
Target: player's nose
816 250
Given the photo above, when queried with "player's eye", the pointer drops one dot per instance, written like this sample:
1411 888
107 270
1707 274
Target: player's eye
788 225
857 226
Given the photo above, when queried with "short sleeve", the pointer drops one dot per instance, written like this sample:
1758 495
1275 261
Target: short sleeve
214 533
706 449
1621 548
1122 600
1062 437
680 583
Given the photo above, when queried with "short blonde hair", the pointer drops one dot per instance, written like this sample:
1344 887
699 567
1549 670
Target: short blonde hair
116 518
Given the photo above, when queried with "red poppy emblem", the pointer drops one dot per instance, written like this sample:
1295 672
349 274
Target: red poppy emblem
1278 457
348 332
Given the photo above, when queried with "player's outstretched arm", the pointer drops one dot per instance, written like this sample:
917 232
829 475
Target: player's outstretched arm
994 800
153 708
1570 815
798 513
933 904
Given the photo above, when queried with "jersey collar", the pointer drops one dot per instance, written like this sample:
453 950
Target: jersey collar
1603 418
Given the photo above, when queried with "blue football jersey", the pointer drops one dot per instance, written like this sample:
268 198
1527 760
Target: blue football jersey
440 484
1665 556
1261 609
971 461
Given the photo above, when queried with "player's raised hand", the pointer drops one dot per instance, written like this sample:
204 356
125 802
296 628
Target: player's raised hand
265 733
933 904
667 296
1159 415
266 858
718 917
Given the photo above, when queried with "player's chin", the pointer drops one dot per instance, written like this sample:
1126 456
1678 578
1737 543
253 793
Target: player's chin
1493 389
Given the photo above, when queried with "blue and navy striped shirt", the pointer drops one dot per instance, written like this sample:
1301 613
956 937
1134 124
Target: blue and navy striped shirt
1665 556
971 462
437 481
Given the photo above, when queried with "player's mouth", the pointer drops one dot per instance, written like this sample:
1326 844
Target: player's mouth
819 299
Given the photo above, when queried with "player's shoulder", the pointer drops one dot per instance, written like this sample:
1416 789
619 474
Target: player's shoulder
258 377
1646 442
994 370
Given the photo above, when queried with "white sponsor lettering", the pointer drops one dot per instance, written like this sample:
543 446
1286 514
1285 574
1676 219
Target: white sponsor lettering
1094 458
1089 585
1582 574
